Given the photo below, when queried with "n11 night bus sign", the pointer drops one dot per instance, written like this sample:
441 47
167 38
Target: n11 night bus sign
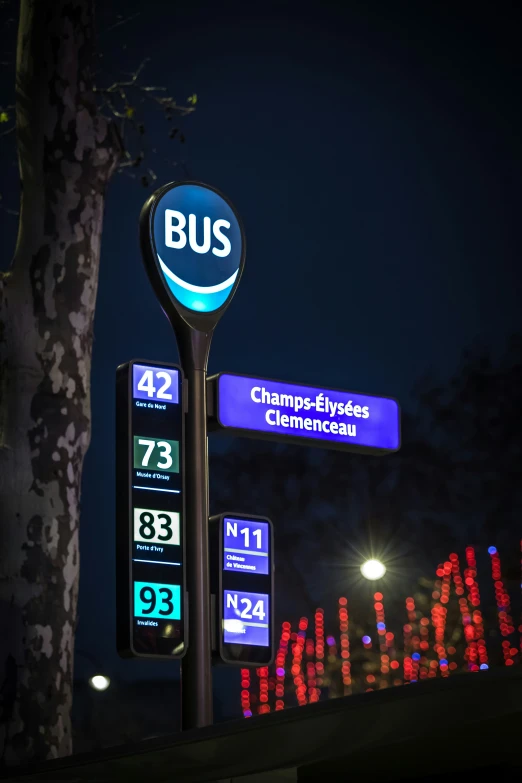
242 579
307 415
150 510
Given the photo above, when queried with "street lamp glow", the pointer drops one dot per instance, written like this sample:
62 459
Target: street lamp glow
99 682
373 569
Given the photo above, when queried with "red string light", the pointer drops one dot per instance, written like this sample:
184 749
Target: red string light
263 706
424 665
345 646
411 665
407 660
439 616
297 669
310 669
470 579
505 620
380 622
471 653
319 652
245 693
280 664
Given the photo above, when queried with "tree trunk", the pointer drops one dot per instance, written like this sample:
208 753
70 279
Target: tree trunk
67 153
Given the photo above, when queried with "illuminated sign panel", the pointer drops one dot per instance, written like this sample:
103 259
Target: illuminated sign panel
246 546
198 245
246 618
155 384
242 578
150 511
305 414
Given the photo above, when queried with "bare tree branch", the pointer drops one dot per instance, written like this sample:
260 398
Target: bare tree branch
122 100
120 22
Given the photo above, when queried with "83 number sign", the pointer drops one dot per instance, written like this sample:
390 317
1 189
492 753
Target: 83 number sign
156 527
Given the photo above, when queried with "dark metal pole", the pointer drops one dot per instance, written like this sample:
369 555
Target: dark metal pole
196 665
193 325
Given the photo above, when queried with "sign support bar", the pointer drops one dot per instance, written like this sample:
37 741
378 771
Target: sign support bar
196 666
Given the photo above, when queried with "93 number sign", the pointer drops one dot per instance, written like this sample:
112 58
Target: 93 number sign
156 600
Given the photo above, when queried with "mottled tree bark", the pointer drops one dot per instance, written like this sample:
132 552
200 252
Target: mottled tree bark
67 153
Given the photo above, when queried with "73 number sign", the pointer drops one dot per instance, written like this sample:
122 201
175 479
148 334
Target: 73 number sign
156 454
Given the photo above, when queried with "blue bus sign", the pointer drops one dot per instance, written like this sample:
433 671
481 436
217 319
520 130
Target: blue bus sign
194 247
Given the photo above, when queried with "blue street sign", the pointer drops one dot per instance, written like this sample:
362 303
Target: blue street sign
309 415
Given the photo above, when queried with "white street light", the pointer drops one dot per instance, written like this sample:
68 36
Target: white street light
373 569
99 682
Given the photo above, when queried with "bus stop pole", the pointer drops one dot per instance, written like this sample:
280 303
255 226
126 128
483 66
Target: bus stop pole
196 665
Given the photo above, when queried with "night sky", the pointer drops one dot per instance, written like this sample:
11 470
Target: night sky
373 151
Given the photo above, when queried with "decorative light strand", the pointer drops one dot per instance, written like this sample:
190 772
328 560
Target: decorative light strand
412 665
505 620
425 669
345 646
407 668
245 693
263 706
319 651
297 670
470 579
380 622
439 615
310 668
471 653
280 663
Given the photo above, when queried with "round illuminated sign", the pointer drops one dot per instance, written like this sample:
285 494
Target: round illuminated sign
198 245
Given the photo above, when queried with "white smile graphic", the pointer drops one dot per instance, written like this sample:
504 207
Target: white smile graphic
197 289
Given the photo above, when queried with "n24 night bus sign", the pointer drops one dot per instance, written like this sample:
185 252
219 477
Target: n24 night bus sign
330 418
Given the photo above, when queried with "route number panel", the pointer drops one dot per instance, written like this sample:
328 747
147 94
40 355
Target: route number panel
150 511
242 579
